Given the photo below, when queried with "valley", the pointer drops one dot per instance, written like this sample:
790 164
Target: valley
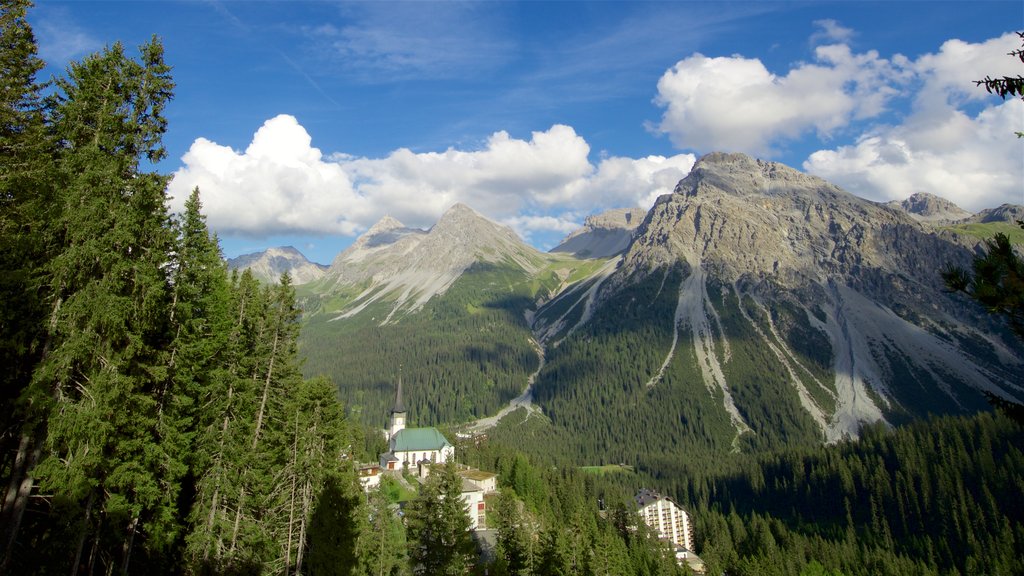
801 313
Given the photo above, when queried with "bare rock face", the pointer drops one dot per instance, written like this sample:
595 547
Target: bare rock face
1006 213
411 266
603 235
926 207
865 277
269 265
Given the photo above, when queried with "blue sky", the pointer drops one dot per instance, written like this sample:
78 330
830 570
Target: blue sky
305 122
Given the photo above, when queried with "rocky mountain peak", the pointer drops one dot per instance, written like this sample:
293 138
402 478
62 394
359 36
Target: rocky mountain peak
385 224
740 175
603 235
411 266
863 274
1005 213
268 265
927 207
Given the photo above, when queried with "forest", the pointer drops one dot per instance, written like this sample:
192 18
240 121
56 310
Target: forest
156 419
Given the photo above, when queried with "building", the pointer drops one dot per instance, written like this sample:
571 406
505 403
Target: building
487 481
476 508
665 517
369 476
409 446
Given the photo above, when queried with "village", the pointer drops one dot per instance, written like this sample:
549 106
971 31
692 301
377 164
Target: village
412 452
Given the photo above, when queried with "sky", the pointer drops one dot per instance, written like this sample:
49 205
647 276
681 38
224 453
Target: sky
303 123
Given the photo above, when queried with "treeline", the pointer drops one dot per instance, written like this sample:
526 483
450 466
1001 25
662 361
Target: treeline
154 415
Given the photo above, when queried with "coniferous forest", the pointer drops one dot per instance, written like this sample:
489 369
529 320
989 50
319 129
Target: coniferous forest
154 417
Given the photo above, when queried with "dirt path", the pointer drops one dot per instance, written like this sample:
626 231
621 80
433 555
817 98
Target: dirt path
524 400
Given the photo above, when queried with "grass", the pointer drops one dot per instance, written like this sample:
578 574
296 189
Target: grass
608 469
990 229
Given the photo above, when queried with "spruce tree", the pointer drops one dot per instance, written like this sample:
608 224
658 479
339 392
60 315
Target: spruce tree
102 360
381 546
26 193
438 526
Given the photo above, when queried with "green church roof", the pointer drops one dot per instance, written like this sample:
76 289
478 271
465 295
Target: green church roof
419 439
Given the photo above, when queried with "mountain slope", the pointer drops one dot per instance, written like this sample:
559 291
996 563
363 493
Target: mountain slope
783 308
408 267
603 235
269 265
925 207
447 307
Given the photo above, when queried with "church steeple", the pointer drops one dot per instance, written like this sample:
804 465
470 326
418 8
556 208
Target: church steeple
398 412
399 405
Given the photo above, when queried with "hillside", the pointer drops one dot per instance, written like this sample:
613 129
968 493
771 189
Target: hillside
755 307
448 307
759 307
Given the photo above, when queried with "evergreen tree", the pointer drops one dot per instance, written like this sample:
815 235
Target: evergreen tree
26 195
382 543
438 527
516 535
102 360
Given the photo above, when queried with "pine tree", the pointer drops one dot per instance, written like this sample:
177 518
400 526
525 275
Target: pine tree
26 192
199 356
438 527
102 360
224 439
382 545
515 535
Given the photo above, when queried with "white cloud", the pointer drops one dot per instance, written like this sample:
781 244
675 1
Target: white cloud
60 38
395 41
735 104
282 184
949 137
830 31
972 160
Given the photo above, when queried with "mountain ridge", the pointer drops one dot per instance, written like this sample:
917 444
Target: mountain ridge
268 265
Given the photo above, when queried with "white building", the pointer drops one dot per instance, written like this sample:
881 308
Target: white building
409 446
665 517
476 508
369 476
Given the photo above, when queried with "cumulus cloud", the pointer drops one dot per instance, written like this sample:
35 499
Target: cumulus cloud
735 104
281 184
950 138
973 160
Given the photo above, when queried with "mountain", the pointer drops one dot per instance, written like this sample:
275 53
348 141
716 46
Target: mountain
755 307
603 235
408 267
926 207
267 266
758 307
1009 213
447 308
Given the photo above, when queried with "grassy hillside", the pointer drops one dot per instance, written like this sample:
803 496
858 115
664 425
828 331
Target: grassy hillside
990 229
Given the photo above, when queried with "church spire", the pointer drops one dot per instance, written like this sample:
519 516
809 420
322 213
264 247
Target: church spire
399 405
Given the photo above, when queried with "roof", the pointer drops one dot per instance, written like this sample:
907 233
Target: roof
477 475
419 439
399 405
645 497
470 486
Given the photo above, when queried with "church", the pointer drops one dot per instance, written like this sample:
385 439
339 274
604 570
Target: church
410 446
